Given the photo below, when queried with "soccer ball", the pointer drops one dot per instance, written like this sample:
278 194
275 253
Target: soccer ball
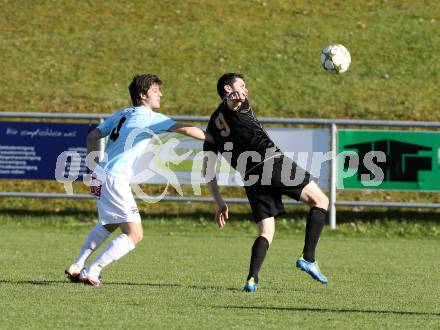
335 58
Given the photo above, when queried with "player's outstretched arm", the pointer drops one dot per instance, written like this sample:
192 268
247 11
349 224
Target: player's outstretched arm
191 131
208 172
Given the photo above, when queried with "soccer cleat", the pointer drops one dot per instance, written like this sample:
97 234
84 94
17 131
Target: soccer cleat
73 273
90 280
312 269
250 285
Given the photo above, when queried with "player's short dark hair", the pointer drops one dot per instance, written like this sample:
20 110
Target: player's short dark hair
227 79
141 84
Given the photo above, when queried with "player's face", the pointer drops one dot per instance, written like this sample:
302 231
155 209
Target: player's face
152 98
239 86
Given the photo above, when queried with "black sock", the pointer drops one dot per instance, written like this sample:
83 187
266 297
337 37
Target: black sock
315 223
259 250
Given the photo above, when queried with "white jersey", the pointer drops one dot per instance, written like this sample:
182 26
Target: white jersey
129 132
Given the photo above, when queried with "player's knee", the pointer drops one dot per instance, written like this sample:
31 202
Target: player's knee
268 236
268 233
266 228
322 201
318 199
138 237
314 197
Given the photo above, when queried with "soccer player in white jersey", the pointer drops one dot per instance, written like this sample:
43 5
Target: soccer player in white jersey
129 131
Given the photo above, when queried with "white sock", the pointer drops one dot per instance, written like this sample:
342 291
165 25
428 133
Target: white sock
114 250
96 237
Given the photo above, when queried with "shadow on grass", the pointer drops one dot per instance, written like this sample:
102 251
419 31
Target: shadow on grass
32 282
151 285
328 310
170 285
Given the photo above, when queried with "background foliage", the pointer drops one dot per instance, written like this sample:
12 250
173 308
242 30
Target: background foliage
79 56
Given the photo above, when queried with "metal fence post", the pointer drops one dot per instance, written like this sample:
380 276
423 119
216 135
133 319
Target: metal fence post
333 175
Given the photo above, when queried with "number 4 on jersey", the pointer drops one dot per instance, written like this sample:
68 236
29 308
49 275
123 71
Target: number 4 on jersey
115 131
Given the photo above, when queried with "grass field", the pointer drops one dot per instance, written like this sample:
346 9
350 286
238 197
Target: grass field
188 274
64 56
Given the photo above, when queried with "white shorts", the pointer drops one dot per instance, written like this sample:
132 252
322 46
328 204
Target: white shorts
114 200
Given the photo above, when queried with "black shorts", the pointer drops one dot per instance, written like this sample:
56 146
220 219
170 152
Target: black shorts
286 178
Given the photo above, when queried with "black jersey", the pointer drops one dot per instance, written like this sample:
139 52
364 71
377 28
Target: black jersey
240 133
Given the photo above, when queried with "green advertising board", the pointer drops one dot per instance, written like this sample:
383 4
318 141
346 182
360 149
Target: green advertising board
398 160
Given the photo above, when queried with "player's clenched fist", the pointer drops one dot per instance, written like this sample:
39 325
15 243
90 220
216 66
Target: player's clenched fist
236 96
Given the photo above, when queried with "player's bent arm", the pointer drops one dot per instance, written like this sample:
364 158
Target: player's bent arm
215 192
222 212
191 131
93 144
208 172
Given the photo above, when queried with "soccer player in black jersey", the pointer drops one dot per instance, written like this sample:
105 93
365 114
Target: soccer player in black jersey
266 172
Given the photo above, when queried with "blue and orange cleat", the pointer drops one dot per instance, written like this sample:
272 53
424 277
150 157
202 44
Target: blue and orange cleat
312 269
250 285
